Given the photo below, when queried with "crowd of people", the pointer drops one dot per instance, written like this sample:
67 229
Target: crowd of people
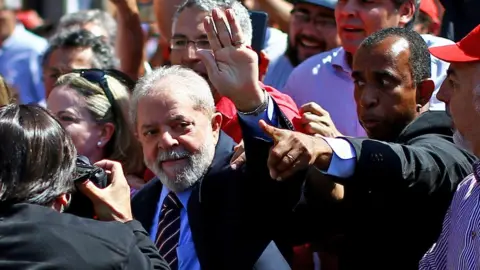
348 142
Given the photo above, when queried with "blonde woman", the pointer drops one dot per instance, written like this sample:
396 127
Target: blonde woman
7 93
92 105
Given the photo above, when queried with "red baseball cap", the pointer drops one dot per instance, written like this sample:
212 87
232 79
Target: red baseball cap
466 50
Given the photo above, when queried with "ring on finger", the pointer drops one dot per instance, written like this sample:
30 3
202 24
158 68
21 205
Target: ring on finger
237 43
290 157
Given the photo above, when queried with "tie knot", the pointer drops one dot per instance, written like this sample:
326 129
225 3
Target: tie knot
172 201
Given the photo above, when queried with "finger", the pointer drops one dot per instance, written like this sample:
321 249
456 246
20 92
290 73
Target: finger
208 59
238 161
89 189
314 108
296 166
115 168
318 129
238 152
275 133
309 117
276 155
238 38
211 34
286 162
222 30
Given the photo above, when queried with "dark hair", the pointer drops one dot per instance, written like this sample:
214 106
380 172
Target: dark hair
38 157
103 53
424 19
419 60
399 3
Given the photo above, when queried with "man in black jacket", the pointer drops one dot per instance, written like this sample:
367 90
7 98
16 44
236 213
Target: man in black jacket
399 182
201 213
36 184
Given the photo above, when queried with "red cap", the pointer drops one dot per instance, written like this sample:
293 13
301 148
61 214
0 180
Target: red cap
466 50
430 8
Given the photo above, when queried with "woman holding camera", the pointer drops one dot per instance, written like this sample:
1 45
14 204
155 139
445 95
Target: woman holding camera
92 105
36 184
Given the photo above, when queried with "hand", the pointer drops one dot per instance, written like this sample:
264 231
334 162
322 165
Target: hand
232 67
317 121
239 157
294 151
112 202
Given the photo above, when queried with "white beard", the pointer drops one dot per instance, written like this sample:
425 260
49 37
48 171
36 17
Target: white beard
460 141
187 176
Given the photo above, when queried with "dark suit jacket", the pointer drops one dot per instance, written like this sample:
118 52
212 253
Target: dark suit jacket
395 202
233 215
37 237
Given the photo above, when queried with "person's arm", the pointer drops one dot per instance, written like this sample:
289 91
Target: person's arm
144 255
279 10
130 38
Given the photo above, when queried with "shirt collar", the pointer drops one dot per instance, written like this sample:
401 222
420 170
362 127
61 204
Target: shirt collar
226 107
183 196
339 60
16 35
476 170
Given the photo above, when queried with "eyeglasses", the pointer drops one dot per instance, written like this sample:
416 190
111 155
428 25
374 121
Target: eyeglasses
319 22
182 43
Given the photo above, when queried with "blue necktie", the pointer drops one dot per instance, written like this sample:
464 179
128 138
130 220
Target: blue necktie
168 232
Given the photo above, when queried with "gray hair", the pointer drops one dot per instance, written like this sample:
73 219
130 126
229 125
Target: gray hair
164 79
103 55
98 17
240 11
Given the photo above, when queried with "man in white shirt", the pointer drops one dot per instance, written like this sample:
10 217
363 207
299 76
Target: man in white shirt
312 30
326 78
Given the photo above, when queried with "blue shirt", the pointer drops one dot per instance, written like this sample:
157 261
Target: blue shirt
187 256
20 65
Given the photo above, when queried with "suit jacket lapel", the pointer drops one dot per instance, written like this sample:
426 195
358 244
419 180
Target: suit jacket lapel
223 151
144 203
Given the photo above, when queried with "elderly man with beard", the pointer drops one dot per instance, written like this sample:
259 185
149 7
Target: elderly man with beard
200 212
457 246
312 31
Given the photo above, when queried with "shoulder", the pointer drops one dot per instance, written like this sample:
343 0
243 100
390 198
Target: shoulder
35 227
434 41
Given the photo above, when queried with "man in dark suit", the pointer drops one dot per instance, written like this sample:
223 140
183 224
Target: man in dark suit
200 212
397 183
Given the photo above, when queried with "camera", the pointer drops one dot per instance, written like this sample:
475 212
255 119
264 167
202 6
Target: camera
80 205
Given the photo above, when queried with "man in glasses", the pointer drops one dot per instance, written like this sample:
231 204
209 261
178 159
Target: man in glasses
189 37
312 30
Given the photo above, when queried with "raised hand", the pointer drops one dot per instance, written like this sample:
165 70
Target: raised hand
317 121
294 151
232 67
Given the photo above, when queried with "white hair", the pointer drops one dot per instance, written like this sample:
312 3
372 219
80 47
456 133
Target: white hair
241 13
165 79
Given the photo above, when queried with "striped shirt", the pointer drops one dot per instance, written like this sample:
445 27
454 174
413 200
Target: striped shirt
458 247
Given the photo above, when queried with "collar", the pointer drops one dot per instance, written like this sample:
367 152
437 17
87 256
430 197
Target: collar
226 107
339 60
16 35
476 170
183 196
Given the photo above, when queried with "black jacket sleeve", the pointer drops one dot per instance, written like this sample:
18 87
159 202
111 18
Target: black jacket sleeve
429 163
144 254
280 195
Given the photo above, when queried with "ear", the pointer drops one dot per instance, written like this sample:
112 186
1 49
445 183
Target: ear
107 132
216 123
61 202
407 12
424 91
